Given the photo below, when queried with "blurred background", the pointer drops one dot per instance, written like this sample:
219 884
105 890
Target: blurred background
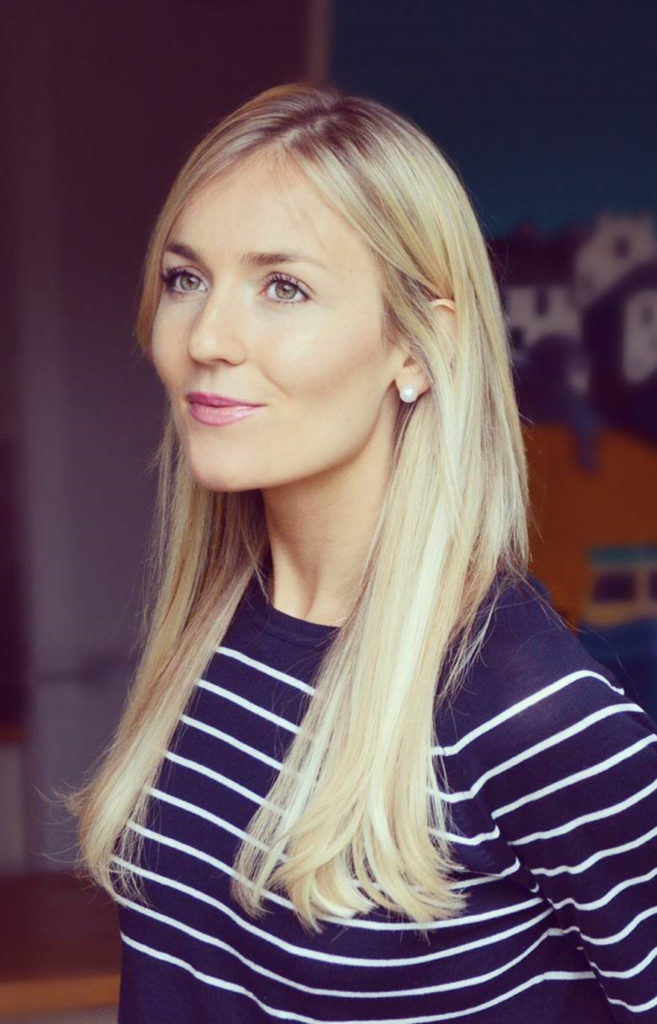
547 113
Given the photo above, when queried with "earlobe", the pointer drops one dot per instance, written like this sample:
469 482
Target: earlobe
413 382
408 393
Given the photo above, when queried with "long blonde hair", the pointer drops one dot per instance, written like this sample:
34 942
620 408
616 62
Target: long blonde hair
354 820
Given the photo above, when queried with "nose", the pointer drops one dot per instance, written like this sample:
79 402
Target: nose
217 332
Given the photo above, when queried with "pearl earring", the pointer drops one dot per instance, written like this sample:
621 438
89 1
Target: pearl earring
408 394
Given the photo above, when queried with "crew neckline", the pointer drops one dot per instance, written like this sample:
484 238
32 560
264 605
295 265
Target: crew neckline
280 624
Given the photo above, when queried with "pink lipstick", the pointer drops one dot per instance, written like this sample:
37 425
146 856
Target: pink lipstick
216 410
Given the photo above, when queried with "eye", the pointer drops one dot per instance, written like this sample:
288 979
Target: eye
177 279
290 286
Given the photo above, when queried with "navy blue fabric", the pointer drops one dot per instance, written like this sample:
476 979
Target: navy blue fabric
551 774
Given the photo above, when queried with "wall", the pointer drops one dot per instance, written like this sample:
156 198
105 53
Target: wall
100 104
547 109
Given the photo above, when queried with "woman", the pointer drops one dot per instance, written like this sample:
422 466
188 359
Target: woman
365 771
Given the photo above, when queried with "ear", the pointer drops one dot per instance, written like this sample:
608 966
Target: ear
446 311
411 371
447 303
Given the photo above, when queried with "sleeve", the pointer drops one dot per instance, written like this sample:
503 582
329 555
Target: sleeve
568 772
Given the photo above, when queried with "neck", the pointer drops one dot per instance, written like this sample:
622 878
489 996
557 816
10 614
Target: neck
320 530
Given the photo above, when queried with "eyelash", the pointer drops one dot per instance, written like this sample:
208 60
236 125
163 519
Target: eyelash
170 276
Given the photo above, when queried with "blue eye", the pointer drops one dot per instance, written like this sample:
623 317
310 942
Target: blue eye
292 285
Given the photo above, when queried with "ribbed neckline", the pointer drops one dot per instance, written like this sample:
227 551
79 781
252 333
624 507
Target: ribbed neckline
280 624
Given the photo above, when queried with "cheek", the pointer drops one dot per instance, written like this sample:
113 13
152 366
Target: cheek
339 360
166 352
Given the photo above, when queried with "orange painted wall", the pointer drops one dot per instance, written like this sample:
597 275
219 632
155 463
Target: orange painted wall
574 509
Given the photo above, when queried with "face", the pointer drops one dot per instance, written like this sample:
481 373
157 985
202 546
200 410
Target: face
271 298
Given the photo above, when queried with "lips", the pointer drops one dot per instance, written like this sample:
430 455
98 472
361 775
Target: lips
218 410
216 401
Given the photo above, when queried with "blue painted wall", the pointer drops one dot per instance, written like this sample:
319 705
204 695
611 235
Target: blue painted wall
548 109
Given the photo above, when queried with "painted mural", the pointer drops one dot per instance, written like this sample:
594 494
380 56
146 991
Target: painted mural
581 310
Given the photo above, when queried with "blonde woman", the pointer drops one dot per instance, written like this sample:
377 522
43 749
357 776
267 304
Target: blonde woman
365 772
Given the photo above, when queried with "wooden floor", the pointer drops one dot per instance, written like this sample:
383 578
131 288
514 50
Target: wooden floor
59 946
88 1016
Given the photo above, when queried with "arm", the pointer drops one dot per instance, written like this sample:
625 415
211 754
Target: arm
569 775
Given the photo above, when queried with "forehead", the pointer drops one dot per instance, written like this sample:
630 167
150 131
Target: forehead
270 207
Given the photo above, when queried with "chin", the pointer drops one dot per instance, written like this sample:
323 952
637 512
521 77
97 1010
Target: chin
225 479
225 484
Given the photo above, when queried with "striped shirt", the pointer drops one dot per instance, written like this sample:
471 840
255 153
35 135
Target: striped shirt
551 774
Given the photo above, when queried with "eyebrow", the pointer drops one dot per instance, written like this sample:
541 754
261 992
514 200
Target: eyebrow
249 259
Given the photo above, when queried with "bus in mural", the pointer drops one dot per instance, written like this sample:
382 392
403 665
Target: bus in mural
619 621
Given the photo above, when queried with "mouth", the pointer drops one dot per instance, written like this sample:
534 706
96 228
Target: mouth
220 410
217 401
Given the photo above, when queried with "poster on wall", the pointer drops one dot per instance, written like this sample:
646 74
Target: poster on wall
581 310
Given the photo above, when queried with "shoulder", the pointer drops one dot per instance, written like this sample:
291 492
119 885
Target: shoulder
536 713
527 634
531 677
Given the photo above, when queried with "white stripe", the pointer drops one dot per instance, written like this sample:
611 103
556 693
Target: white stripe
609 940
631 972
570 780
608 896
218 777
193 851
453 837
201 812
248 705
207 815
227 738
612 851
637 1007
464 920
228 986
290 1015
339 993
520 706
511 870
230 652
537 748
308 952
585 819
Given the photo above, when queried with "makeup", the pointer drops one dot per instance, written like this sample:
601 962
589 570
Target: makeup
218 415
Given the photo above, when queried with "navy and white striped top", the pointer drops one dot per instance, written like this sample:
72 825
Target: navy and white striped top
552 785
